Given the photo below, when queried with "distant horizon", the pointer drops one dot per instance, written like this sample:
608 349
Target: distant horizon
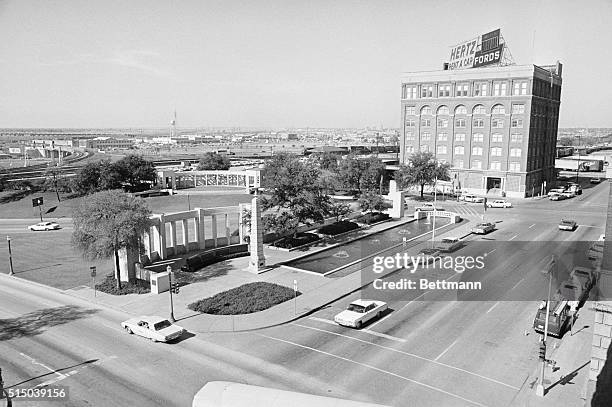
275 64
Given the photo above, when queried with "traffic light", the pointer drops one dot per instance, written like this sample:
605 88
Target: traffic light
175 288
542 351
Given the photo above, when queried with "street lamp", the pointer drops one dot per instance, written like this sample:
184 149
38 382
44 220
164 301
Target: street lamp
540 388
170 289
11 272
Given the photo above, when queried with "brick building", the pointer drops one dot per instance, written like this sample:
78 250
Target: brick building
496 126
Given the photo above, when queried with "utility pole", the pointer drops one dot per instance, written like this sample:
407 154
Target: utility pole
540 389
170 289
11 272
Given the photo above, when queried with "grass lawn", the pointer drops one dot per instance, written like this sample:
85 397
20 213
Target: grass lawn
246 299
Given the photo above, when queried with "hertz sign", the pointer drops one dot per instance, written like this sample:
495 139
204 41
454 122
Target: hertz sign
481 51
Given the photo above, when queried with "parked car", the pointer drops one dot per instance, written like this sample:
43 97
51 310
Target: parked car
568 194
499 203
157 329
359 312
472 198
483 228
567 224
40 226
595 180
428 207
556 197
556 191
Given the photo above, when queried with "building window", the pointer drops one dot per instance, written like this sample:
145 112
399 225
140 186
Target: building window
459 150
499 88
515 167
495 165
443 110
478 137
516 138
479 109
410 92
498 109
425 122
443 123
441 150
460 123
443 91
478 123
426 137
496 138
410 110
496 151
410 123
410 136
518 109
442 137
476 150
427 91
520 88
458 163
460 110
460 137
517 123
515 152
462 90
497 123
480 89
425 110
477 164
424 148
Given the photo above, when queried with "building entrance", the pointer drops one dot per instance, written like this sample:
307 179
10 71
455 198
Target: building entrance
493 184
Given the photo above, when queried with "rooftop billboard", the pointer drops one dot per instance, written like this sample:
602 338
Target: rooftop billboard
477 52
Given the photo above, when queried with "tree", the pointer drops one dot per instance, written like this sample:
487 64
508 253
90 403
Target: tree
214 161
87 179
296 191
53 177
326 160
372 171
370 201
136 173
422 169
339 210
358 175
108 221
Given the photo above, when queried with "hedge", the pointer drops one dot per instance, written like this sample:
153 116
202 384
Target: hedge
301 239
109 286
338 227
372 217
200 260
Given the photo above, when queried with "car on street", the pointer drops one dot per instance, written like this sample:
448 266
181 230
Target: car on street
568 194
428 254
595 180
556 197
157 329
499 203
42 226
359 312
483 228
428 207
568 224
472 198
448 244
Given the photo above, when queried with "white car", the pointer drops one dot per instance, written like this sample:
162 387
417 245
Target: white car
44 226
359 312
483 228
499 203
472 198
428 207
157 329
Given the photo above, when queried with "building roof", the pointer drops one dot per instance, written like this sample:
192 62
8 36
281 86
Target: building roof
327 149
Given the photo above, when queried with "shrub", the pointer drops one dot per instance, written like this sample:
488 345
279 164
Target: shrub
246 299
338 227
301 239
201 260
372 217
109 286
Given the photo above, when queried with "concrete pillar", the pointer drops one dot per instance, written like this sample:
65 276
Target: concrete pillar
397 211
227 229
201 236
159 237
214 229
186 234
173 234
257 260
146 243
127 259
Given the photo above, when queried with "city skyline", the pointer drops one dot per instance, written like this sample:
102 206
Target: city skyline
271 65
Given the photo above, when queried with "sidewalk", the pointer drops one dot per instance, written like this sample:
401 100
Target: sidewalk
567 386
317 291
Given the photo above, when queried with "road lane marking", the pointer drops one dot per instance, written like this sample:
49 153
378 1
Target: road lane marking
447 349
532 226
368 366
591 226
381 320
513 237
368 331
494 305
413 300
516 285
409 354
486 254
35 362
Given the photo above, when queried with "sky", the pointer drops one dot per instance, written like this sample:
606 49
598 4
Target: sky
274 64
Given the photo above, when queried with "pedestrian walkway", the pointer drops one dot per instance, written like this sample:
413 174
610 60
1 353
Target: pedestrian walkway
566 382
316 290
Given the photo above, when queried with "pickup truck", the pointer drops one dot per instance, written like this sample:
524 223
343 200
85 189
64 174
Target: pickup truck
560 317
584 276
448 244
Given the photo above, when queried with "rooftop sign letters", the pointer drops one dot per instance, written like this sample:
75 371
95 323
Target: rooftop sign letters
481 51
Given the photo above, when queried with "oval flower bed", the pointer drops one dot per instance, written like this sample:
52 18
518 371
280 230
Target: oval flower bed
247 298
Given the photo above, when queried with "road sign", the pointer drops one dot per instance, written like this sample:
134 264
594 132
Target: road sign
37 201
93 271
295 287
